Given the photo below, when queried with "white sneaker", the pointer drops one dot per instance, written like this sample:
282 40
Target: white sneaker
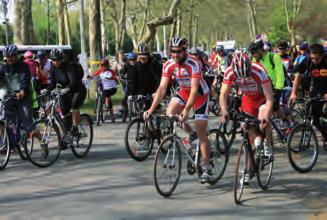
246 179
267 149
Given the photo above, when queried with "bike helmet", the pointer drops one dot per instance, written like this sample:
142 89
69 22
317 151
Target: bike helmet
28 55
256 45
10 50
143 49
304 46
241 64
179 42
40 54
131 56
282 44
220 48
56 54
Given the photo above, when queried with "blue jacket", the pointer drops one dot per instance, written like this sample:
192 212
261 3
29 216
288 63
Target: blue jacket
15 77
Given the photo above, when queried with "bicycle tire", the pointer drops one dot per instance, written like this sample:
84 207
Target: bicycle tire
240 172
4 149
172 148
296 151
44 161
82 128
99 115
139 138
262 162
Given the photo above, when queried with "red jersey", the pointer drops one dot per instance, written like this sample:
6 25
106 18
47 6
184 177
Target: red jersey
183 73
250 86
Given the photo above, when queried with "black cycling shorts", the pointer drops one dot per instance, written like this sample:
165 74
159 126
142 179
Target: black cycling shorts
109 92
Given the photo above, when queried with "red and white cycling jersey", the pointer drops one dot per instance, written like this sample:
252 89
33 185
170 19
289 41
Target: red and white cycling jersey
250 86
183 73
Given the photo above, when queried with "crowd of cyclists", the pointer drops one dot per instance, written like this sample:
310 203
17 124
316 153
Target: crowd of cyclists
265 78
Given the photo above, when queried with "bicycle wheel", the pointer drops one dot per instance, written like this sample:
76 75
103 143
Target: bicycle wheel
83 141
4 147
218 156
241 168
303 148
99 116
167 166
138 142
42 141
265 167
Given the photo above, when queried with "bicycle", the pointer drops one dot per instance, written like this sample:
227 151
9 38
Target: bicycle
259 164
302 145
100 116
140 135
136 104
168 159
54 133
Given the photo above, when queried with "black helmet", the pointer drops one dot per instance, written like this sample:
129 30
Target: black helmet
10 50
40 54
282 44
220 48
143 49
56 54
256 45
179 42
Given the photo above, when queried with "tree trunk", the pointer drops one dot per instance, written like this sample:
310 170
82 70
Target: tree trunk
18 22
153 24
82 27
95 29
61 23
24 31
190 30
179 25
252 18
173 29
104 40
195 33
122 24
292 17
48 21
158 42
67 24
164 38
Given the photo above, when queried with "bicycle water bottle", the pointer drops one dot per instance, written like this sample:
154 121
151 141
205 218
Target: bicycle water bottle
257 141
186 143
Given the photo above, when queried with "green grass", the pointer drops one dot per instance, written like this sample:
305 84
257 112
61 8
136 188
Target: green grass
89 104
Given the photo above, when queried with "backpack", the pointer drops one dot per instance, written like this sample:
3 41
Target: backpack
287 81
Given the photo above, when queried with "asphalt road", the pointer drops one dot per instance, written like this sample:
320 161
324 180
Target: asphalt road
109 185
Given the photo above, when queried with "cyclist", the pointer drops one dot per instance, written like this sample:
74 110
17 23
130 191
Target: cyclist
303 53
129 78
317 67
286 59
43 69
193 92
15 78
108 83
257 99
69 77
148 71
274 67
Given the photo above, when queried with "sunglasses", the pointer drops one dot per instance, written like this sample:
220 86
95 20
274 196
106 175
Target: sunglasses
132 59
176 51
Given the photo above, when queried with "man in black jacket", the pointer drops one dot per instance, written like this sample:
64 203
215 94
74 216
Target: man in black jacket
148 71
